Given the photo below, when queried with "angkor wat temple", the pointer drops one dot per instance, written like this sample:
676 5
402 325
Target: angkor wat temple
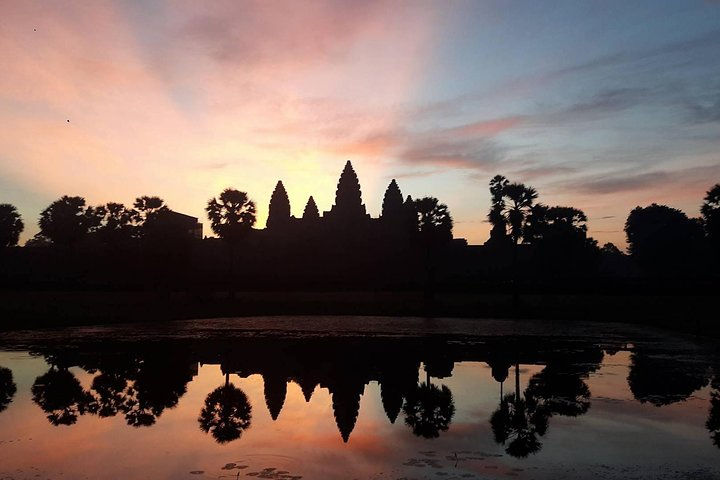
347 220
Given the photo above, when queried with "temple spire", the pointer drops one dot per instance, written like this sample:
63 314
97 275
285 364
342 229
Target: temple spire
348 197
279 209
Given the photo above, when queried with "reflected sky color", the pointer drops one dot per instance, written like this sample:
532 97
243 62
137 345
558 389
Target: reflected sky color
617 437
599 105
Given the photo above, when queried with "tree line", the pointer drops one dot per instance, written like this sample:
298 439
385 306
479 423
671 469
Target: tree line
659 238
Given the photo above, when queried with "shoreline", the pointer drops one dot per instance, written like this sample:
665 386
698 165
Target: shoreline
48 309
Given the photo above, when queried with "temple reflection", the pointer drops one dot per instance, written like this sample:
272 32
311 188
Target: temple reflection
141 381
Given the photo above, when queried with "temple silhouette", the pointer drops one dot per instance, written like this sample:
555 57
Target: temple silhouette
347 220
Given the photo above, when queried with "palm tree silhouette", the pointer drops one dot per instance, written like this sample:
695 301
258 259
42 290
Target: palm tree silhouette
232 216
7 388
428 409
518 422
226 414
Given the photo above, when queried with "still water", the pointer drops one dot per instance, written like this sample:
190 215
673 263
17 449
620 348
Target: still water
365 398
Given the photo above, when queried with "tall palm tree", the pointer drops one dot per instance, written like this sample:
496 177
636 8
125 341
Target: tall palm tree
429 409
232 216
519 200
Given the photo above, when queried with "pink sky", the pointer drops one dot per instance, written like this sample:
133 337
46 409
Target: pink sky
181 101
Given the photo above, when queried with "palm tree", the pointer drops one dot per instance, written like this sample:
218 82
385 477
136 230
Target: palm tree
11 225
232 216
429 410
434 226
226 414
498 234
518 200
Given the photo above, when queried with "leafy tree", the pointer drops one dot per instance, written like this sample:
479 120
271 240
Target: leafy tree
68 220
611 249
232 214
7 388
59 394
710 211
663 239
226 414
11 225
279 209
713 421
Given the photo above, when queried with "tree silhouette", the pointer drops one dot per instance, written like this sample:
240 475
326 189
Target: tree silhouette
67 220
113 393
661 380
713 421
496 217
116 225
11 225
517 423
226 414
518 201
662 239
7 388
311 212
232 214
59 394
434 221
147 209
279 209
710 211
429 410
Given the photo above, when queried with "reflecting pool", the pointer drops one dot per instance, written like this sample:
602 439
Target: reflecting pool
344 398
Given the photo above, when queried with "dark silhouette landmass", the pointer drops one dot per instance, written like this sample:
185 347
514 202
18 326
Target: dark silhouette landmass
94 264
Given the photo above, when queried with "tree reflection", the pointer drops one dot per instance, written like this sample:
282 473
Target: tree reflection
713 421
660 379
59 394
517 423
429 410
226 414
7 388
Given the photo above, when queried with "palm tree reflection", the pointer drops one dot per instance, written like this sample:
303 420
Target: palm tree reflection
428 409
226 414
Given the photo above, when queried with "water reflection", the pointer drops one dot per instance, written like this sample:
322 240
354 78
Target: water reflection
139 382
7 388
227 413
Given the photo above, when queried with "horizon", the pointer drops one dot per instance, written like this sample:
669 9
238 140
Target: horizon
600 107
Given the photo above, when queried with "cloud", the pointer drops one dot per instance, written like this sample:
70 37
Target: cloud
630 181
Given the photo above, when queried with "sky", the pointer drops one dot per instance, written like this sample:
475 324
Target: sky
600 105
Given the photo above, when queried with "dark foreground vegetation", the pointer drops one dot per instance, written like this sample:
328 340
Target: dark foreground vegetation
113 263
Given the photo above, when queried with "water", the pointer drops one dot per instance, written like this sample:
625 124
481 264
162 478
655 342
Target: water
344 398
